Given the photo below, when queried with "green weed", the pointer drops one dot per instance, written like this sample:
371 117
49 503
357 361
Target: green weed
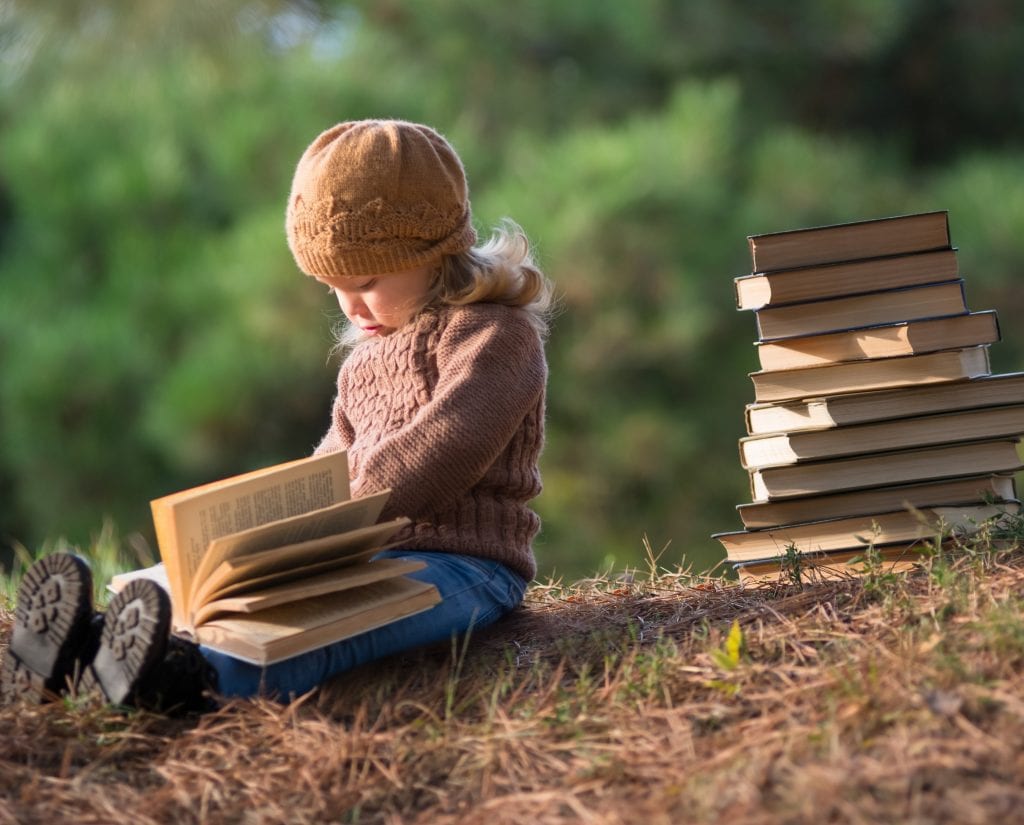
727 658
792 565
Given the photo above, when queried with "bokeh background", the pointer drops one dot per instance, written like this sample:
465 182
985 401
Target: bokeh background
155 334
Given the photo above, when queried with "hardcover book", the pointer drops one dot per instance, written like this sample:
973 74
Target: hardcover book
861 407
892 306
812 283
897 235
882 436
898 467
857 532
893 558
861 376
956 492
276 562
884 341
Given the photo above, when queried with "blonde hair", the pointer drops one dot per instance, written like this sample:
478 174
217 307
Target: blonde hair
501 271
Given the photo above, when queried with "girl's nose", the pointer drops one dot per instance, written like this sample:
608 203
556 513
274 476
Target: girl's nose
351 304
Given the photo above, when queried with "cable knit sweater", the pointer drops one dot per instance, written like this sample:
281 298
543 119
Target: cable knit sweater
448 412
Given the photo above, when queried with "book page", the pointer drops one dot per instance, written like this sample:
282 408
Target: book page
287 630
333 581
328 521
282 560
188 521
155 573
212 590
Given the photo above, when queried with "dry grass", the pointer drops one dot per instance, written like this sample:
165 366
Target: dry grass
868 700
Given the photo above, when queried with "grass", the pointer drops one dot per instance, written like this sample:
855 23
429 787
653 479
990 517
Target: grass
108 554
654 697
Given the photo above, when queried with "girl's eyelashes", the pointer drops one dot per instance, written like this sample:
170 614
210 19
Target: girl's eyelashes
360 287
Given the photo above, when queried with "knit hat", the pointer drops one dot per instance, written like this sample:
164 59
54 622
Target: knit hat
377 196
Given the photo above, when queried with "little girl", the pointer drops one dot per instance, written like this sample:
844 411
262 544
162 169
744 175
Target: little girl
440 400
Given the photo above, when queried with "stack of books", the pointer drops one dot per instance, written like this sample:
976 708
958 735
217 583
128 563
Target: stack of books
876 418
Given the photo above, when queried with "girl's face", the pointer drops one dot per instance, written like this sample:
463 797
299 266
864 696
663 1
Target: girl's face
380 304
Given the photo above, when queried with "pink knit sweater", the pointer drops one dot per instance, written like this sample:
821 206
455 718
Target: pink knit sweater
448 412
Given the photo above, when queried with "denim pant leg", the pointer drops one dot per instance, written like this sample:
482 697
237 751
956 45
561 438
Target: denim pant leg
474 593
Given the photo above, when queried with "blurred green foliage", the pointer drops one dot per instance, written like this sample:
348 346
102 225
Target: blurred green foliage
154 332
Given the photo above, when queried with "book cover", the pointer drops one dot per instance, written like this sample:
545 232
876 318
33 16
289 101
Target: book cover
898 467
758 290
882 436
861 407
890 306
882 341
894 558
857 532
860 376
875 238
956 492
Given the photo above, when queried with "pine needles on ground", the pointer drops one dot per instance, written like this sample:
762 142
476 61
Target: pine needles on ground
661 698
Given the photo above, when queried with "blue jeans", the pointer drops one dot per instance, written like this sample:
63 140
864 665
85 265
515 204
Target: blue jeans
474 593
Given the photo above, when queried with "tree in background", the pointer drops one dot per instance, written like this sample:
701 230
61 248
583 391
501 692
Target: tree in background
155 334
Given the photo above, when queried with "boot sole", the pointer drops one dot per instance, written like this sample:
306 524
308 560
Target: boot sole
136 625
51 623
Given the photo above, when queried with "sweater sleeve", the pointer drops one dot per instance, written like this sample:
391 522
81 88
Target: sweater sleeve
339 435
491 373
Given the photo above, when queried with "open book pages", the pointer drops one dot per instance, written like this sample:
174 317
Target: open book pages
186 522
271 564
290 562
281 632
330 527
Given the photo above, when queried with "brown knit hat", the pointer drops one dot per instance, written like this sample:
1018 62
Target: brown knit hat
377 196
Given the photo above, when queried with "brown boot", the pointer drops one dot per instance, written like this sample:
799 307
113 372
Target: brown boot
124 654
182 682
138 663
52 622
136 625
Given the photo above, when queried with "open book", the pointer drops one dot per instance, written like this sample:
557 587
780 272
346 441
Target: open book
276 562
